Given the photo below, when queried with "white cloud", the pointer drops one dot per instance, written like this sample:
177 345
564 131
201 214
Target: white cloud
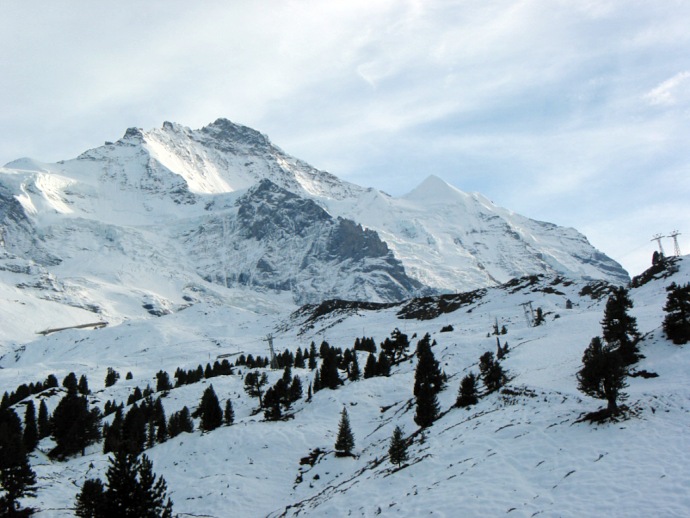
670 91
548 107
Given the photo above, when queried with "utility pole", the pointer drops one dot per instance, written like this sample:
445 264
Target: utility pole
675 235
269 339
529 313
657 238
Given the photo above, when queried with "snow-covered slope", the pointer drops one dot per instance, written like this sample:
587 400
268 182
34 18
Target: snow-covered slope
521 451
160 211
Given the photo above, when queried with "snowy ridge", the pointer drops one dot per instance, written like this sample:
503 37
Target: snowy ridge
521 451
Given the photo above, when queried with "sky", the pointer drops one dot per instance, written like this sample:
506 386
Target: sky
572 112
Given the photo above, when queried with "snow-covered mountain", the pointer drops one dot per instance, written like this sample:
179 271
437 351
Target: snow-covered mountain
162 215
176 248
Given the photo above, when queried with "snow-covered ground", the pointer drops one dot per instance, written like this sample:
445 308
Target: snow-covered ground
521 452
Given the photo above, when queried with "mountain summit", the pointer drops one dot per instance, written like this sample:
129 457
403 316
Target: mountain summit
161 216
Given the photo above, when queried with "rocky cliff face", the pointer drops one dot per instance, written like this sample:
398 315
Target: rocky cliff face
277 240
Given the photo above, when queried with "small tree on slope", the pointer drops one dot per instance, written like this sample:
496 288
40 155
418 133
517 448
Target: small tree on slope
619 328
467 394
677 319
398 447
603 374
345 441
211 414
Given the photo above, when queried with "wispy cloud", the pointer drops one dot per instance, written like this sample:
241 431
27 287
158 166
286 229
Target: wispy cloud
572 112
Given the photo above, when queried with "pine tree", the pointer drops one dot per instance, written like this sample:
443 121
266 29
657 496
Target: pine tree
467 394
70 382
370 366
272 410
83 386
74 425
132 490
253 385
111 377
603 374
112 435
211 413
312 357
397 450
677 320
229 414
329 368
492 373
30 427
345 442
163 381
90 501
427 406
317 382
134 431
383 366
619 328
295 391
354 369
43 421
428 371
16 476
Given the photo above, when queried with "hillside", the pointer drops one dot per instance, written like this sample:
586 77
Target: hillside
521 451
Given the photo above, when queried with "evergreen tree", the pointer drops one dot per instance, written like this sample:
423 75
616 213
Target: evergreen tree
134 431
677 320
90 501
43 421
345 442
83 386
492 373
619 328
253 385
180 422
111 377
370 366
16 476
132 491
163 381
74 425
354 369
30 427
427 406
428 371
272 410
603 374
70 382
295 391
397 451
299 359
317 382
467 395
112 435
383 366
329 368
211 413
312 357
229 414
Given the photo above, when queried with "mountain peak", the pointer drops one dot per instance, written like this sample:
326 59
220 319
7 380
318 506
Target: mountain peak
436 190
224 129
